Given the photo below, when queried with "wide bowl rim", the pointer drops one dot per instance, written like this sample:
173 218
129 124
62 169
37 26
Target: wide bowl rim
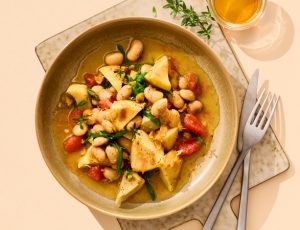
121 214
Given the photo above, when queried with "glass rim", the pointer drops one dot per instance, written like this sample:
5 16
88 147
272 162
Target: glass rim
238 26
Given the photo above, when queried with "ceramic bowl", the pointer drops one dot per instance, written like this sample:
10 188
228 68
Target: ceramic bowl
208 169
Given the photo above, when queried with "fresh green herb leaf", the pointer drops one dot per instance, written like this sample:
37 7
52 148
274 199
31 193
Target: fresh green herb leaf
81 103
154 12
189 17
93 94
138 66
119 71
134 132
80 120
121 49
150 190
148 114
119 157
106 84
149 187
110 136
148 174
137 83
200 140
128 171
167 92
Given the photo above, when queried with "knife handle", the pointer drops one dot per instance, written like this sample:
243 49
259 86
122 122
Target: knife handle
211 219
242 220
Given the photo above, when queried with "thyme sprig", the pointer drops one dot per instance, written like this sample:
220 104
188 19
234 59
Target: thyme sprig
189 17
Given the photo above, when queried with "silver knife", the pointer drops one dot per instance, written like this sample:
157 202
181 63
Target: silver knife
248 105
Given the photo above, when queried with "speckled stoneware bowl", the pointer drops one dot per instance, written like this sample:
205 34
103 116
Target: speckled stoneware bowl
208 168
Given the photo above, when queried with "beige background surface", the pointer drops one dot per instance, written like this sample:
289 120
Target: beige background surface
30 198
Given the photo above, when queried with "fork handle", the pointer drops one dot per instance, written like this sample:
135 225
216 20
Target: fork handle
210 221
244 194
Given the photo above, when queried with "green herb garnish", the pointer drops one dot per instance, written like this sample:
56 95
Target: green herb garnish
200 139
106 84
148 114
138 66
80 120
138 83
134 132
154 12
119 157
111 136
93 94
149 187
81 103
119 71
167 92
121 49
189 17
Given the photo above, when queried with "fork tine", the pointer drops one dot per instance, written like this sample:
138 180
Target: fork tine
261 110
265 113
271 115
251 117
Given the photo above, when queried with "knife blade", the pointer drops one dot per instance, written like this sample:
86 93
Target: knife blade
248 105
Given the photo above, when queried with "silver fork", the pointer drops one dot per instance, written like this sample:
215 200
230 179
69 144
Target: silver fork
255 128
242 218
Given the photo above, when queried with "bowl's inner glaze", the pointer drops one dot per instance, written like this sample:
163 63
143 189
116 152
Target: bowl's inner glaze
153 49
207 169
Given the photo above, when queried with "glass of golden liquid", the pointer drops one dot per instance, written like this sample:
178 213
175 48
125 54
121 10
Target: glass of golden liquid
237 14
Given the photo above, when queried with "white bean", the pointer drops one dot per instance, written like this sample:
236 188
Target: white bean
195 107
97 89
110 174
159 107
176 100
111 153
97 128
152 95
174 120
107 126
100 116
187 94
99 154
135 50
105 94
183 83
113 58
98 141
80 131
124 93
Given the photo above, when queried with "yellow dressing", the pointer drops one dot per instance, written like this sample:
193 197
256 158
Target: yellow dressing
153 49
